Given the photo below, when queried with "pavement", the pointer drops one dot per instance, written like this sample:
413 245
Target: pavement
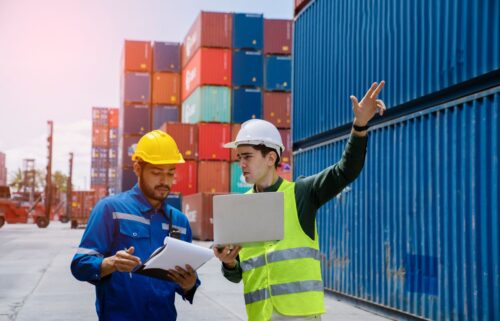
36 283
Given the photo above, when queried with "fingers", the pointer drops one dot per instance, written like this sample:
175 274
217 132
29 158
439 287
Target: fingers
370 91
381 106
355 103
376 90
186 278
125 262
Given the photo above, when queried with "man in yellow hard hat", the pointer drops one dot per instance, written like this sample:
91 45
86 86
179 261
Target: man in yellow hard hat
282 280
124 229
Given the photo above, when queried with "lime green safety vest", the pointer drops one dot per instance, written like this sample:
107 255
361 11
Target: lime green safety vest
285 275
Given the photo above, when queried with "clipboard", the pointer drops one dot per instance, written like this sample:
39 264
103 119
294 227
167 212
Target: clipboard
174 253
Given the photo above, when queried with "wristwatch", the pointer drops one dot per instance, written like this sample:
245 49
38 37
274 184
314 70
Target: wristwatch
360 128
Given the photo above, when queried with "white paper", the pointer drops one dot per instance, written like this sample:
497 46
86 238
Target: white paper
179 253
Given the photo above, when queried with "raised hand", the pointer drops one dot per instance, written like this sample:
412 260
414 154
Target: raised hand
369 105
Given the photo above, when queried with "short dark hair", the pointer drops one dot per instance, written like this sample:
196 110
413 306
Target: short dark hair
264 150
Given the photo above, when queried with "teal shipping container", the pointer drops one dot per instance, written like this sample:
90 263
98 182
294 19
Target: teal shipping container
208 104
238 184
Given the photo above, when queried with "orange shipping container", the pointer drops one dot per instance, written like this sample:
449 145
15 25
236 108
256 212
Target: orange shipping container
285 171
137 56
277 109
166 88
186 178
213 177
100 136
208 67
113 117
277 37
198 209
186 137
210 29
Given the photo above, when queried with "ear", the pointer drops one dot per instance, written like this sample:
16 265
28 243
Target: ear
137 169
271 158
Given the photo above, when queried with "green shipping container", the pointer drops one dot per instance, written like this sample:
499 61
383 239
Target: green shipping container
238 184
208 104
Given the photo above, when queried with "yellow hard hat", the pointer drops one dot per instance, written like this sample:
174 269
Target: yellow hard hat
159 148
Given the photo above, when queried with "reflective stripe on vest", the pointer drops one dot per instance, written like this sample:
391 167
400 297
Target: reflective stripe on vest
282 255
285 288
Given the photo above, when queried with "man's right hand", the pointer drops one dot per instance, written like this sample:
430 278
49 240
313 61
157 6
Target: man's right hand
227 255
122 261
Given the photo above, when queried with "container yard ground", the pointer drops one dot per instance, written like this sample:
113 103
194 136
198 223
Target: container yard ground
36 283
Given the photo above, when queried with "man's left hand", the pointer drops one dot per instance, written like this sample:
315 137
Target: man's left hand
186 278
369 105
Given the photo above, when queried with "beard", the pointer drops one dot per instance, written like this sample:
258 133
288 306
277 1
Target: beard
154 192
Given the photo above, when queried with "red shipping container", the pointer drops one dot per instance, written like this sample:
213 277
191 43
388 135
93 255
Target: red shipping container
186 137
82 203
166 88
186 178
235 128
277 36
277 109
100 136
208 67
137 56
285 171
299 5
100 190
199 209
113 117
287 142
212 137
213 177
210 29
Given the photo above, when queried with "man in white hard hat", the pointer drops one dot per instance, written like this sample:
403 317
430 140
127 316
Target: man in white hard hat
124 230
282 280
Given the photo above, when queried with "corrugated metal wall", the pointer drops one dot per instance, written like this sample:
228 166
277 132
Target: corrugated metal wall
418 47
418 231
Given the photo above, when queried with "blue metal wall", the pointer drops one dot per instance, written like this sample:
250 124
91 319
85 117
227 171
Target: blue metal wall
418 231
248 31
418 47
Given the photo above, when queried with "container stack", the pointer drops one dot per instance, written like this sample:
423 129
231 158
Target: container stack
434 153
3 170
150 96
104 161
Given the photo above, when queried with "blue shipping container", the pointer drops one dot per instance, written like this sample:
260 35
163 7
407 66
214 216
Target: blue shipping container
247 104
418 231
247 69
136 87
135 119
128 145
126 179
248 31
162 114
166 57
278 73
418 47
113 137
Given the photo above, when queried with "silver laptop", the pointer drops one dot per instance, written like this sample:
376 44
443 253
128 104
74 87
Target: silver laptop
247 219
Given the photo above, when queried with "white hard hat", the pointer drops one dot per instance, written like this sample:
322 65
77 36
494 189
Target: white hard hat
258 132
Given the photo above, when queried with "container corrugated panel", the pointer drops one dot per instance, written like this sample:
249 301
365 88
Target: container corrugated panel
285 171
186 178
247 104
166 88
100 136
277 109
129 144
211 138
137 56
418 231
100 116
113 117
247 69
186 137
278 73
127 179
238 183
162 114
136 119
248 31
113 137
207 104
278 36
235 128
211 30
198 209
213 177
418 47
136 87
286 138
208 67
166 57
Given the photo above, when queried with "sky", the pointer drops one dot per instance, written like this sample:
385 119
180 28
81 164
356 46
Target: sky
59 58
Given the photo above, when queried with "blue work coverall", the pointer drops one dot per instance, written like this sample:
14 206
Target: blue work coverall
117 223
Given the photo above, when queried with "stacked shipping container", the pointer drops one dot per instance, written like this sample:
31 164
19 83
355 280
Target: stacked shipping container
104 156
428 245
3 170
